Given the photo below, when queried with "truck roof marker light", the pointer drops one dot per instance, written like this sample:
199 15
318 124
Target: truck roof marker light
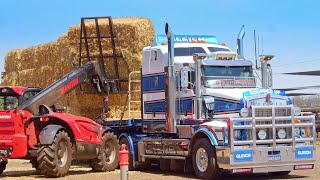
162 39
223 44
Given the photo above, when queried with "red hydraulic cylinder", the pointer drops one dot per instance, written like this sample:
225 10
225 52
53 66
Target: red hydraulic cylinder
124 157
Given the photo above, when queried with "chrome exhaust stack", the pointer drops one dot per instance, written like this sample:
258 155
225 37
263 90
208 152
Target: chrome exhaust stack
171 85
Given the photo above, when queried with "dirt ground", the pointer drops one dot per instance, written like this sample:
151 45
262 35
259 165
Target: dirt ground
22 169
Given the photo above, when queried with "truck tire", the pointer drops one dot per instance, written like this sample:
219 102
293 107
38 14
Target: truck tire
3 165
55 159
108 157
204 160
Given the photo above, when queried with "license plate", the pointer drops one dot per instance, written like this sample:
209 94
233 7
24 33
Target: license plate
274 158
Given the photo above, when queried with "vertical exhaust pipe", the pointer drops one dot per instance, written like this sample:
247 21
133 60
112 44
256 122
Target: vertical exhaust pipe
240 42
170 84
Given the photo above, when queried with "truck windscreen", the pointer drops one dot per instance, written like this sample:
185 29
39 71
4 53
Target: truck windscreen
228 76
8 102
188 51
235 71
216 49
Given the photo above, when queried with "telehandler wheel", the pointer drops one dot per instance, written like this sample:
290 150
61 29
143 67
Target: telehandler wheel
108 157
3 165
204 160
35 164
55 159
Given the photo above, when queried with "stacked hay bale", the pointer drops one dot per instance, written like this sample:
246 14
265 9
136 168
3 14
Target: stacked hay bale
42 65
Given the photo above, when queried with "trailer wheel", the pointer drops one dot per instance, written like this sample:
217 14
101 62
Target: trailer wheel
280 173
55 159
108 157
204 160
3 165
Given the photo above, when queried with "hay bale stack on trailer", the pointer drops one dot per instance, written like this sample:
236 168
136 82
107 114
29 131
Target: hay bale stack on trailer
43 64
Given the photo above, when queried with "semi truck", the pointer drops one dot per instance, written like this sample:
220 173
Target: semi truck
32 127
202 111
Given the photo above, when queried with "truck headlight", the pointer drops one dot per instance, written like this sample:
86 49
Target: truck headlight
237 134
262 134
244 112
296 111
281 133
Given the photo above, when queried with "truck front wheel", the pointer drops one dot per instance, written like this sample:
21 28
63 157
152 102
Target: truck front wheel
55 159
108 157
204 160
3 165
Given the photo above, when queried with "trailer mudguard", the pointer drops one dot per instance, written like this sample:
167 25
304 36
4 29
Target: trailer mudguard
133 140
48 133
205 131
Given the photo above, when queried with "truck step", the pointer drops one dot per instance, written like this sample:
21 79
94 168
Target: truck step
164 157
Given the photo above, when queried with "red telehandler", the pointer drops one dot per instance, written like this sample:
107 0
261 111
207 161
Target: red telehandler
31 128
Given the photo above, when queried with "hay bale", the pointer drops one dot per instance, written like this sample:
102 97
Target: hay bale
42 65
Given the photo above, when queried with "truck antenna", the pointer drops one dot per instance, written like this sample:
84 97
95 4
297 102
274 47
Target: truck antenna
255 49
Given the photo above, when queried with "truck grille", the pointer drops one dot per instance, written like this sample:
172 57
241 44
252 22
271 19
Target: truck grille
268 112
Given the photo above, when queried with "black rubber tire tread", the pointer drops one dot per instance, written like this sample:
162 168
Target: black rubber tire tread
3 165
100 164
212 171
280 173
47 157
35 165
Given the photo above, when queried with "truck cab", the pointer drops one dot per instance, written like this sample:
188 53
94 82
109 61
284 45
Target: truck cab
204 108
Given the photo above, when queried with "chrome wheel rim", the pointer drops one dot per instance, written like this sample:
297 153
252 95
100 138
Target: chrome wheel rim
202 159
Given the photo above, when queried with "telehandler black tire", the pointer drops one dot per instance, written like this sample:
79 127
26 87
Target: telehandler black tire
55 159
108 157
3 165
35 164
204 160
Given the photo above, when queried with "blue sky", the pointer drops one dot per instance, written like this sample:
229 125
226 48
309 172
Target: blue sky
289 29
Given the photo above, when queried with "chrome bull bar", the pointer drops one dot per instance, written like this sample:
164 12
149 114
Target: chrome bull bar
291 121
